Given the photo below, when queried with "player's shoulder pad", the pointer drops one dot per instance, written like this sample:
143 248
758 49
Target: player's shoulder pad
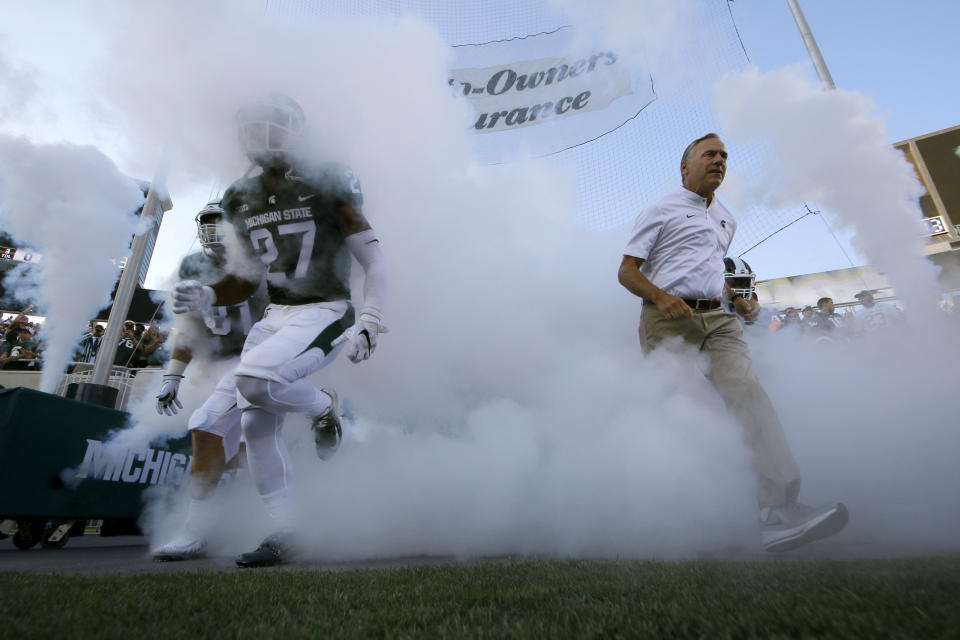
235 194
333 177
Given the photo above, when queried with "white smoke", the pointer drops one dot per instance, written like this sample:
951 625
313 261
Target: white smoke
648 34
830 148
17 87
863 416
509 410
74 206
867 423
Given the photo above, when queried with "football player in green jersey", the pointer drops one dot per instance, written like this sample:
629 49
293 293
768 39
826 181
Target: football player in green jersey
214 426
303 223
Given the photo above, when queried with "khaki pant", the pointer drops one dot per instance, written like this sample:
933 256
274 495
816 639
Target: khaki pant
719 335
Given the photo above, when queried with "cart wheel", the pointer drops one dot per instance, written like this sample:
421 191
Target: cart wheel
7 527
28 534
56 534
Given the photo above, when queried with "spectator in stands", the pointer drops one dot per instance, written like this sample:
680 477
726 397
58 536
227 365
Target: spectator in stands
776 321
128 346
150 342
17 323
809 320
873 317
11 337
866 299
139 359
89 329
790 319
829 321
20 350
90 344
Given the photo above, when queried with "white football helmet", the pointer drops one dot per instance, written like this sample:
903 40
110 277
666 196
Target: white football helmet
210 229
271 129
739 276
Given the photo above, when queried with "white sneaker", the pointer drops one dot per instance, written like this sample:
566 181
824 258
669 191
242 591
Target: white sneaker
185 546
793 525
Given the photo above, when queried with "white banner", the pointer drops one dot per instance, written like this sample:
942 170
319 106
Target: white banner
541 96
19 255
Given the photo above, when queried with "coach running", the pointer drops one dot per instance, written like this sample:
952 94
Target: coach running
674 261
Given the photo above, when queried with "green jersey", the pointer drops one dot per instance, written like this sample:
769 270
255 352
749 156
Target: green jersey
297 230
228 325
126 352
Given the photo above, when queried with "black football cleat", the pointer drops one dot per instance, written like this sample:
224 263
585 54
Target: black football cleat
327 431
272 551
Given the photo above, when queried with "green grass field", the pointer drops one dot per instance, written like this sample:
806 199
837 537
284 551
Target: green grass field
904 598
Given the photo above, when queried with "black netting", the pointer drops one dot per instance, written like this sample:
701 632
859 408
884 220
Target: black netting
620 171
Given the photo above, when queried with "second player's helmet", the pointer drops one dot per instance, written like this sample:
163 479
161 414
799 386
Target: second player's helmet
210 228
270 129
739 276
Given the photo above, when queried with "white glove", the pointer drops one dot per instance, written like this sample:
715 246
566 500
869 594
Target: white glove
190 295
361 338
167 402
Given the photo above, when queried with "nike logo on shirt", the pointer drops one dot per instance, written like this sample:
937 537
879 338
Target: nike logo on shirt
302 198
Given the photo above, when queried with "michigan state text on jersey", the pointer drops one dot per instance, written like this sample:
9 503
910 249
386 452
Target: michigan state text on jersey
298 226
229 325
297 230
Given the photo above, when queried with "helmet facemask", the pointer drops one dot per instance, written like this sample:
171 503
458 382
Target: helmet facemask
744 285
739 277
271 130
210 230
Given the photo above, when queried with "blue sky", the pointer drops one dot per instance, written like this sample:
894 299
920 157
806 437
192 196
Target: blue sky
896 53
899 54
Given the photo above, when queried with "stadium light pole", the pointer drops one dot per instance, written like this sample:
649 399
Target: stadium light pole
150 214
812 48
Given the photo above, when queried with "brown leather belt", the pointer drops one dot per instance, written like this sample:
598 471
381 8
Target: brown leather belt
698 304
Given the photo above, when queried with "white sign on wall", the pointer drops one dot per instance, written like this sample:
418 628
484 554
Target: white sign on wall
935 226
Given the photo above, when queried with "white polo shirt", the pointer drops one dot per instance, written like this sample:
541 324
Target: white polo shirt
682 242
